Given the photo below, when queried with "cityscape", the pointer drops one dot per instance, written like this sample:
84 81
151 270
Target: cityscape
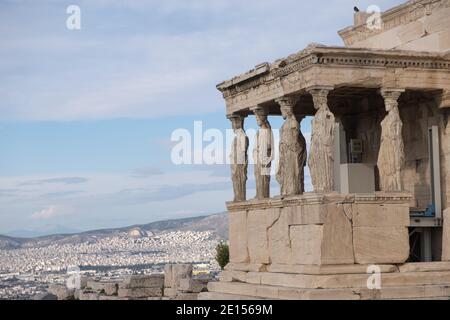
26 272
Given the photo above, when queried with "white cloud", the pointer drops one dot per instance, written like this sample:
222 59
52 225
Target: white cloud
47 213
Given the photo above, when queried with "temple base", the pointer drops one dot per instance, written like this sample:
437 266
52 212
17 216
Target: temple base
344 282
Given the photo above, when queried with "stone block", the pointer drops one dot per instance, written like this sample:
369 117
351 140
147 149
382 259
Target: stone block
238 237
446 236
186 296
109 288
425 267
168 276
61 292
257 236
170 292
306 244
142 281
328 269
180 271
192 285
278 233
140 292
330 243
375 215
87 295
381 244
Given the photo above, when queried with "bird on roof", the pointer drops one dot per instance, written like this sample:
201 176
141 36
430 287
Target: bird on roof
356 9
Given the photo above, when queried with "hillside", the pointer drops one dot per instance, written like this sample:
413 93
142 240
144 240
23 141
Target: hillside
217 223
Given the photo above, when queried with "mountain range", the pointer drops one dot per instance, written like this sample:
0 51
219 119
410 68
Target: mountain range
217 223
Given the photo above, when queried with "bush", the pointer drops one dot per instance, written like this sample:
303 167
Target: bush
222 254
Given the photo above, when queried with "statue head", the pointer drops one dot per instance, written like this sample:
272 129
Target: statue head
261 116
287 112
237 122
390 105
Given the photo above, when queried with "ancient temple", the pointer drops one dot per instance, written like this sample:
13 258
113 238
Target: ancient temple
379 163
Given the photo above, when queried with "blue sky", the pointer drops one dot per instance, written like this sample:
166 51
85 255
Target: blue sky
86 115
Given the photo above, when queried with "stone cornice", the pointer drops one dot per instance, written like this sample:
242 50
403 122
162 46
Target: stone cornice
313 198
402 14
318 55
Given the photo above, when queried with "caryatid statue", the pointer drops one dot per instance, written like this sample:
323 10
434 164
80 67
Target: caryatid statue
263 153
391 157
290 172
239 158
321 159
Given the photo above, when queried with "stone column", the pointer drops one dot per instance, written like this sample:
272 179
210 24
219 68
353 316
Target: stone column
391 157
239 158
320 160
290 172
263 153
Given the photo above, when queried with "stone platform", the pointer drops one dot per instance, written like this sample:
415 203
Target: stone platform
323 246
343 282
321 229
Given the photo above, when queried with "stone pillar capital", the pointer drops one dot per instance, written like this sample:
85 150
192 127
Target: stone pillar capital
391 93
260 111
319 89
287 101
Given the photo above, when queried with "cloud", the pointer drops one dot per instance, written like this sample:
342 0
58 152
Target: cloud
147 172
48 213
69 180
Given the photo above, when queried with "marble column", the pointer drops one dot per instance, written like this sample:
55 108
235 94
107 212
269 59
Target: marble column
321 160
239 158
263 153
290 172
391 157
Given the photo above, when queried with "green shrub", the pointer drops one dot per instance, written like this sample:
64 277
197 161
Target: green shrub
222 254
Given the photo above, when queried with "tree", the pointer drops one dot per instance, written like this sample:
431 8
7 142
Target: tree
222 254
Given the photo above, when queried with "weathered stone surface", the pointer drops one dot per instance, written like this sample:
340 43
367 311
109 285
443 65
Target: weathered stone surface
61 291
86 295
330 243
140 292
337 243
257 236
446 236
381 215
45 296
109 288
170 292
192 285
245 267
142 281
186 296
328 269
168 281
425 267
278 235
306 244
238 237
381 244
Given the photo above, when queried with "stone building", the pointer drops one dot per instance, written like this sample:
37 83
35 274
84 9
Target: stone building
379 163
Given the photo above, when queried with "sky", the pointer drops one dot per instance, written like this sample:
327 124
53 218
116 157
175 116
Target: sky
87 116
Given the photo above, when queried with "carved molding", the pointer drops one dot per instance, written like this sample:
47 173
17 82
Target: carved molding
341 57
317 199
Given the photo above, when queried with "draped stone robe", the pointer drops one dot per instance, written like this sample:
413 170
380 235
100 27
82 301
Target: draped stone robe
321 153
239 165
292 158
262 157
391 157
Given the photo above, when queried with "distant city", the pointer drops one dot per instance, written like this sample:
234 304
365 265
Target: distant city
28 266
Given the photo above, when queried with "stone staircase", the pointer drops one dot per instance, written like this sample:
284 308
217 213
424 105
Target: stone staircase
408 281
